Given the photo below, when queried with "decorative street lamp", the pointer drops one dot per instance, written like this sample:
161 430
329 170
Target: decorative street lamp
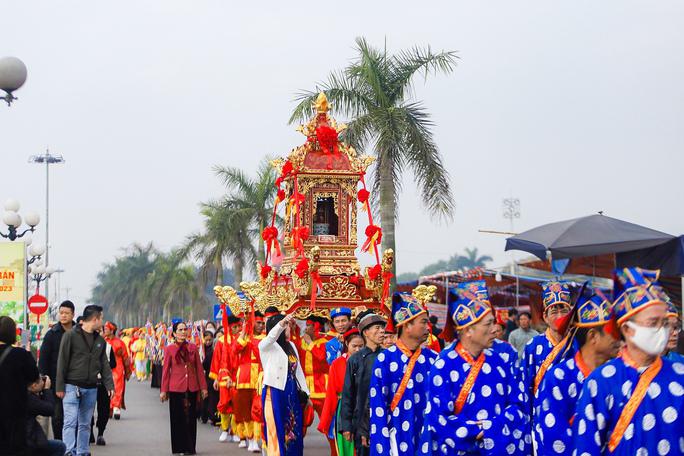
12 77
13 220
41 273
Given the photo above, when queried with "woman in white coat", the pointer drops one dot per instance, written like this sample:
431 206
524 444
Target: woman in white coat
283 382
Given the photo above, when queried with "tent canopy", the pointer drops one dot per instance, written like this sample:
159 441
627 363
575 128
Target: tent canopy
586 236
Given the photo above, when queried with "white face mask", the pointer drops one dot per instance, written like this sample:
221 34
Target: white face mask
650 340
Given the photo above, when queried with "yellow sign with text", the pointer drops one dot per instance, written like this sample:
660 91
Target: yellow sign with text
12 279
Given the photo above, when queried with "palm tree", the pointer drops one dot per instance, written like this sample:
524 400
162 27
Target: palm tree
253 197
376 91
472 260
226 237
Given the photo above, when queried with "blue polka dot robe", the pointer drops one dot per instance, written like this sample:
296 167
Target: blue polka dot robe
657 427
497 398
398 430
536 351
554 413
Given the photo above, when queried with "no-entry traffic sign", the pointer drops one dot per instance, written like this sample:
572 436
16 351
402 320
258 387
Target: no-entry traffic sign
38 304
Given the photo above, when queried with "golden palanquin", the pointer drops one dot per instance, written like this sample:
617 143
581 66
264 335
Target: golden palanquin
319 269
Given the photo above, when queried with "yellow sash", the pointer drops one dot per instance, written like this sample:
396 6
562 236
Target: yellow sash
475 367
635 401
558 346
413 358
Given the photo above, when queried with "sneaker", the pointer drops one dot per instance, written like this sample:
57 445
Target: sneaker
253 446
117 413
236 439
223 437
243 444
101 440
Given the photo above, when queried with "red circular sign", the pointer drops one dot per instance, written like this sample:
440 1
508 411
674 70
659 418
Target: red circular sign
38 304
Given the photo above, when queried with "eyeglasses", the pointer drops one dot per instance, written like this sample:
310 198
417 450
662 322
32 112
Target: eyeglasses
655 323
676 327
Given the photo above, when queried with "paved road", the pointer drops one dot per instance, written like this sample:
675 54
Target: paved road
144 430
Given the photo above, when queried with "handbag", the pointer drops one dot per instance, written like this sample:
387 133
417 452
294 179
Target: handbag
303 397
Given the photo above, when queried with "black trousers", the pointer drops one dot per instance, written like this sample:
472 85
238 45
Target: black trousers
103 402
156 375
209 406
183 414
57 419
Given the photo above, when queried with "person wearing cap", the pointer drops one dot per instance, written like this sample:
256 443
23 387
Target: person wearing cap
248 367
675 328
341 321
121 373
544 350
328 425
222 372
589 324
634 404
477 403
399 384
354 405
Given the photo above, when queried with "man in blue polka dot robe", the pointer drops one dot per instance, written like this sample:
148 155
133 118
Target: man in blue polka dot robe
477 404
634 404
398 387
546 350
558 392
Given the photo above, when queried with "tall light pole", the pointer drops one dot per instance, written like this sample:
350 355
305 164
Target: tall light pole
511 211
48 159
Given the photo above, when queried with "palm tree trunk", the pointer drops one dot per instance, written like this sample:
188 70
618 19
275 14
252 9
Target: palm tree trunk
237 271
261 250
387 213
218 265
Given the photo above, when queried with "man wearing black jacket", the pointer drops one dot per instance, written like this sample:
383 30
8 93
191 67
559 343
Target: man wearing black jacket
103 403
354 408
41 401
49 352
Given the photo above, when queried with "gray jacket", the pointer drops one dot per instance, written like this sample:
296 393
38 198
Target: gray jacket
79 364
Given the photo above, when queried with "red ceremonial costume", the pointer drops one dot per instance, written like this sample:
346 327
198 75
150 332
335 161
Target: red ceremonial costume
119 372
315 366
334 390
222 369
249 366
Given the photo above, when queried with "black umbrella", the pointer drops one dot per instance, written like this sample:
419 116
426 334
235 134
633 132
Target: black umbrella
668 257
586 236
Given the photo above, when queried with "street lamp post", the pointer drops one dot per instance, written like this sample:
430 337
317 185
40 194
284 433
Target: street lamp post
34 259
13 220
48 159
511 211
12 77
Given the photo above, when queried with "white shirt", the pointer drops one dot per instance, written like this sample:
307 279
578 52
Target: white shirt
275 363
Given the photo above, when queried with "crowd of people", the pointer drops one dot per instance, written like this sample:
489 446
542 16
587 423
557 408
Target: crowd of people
602 377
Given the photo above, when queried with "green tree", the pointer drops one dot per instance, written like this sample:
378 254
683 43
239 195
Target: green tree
226 237
473 260
144 284
253 198
376 92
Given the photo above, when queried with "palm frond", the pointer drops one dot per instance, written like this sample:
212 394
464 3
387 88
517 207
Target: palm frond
424 159
409 63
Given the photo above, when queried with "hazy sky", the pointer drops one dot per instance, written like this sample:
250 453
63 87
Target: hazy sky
573 107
